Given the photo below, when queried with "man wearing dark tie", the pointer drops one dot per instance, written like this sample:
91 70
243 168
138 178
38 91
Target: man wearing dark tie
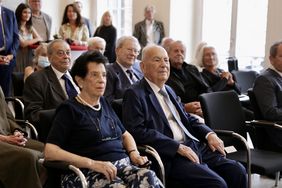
125 71
9 43
48 88
191 152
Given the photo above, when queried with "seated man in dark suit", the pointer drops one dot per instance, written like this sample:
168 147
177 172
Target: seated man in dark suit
125 71
185 78
18 155
48 88
268 91
191 152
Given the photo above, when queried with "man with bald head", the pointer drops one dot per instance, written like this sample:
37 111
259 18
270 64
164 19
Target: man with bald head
154 116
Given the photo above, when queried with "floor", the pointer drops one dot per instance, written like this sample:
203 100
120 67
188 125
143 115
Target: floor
263 182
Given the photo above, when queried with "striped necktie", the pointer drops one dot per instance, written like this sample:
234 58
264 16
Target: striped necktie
172 110
132 77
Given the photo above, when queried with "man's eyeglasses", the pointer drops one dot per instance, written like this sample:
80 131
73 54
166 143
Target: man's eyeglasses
130 50
62 53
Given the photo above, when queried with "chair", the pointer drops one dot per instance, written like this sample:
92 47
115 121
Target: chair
55 168
19 117
245 79
262 126
45 123
222 111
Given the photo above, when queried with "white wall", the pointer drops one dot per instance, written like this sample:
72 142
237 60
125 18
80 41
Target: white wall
184 28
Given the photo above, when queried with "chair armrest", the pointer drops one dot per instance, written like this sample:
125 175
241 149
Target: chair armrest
152 152
17 101
244 141
264 124
62 165
26 123
224 132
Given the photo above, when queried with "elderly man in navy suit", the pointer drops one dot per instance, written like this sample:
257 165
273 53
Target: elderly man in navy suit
9 43
268 91
125 71
191 152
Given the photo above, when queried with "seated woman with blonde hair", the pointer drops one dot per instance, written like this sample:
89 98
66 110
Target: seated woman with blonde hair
87 133
40 60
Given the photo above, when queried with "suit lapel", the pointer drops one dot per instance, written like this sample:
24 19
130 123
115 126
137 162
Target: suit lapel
123 78
156 105
55 84
177 106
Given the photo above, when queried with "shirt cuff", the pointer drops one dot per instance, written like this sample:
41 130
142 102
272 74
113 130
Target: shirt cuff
209 134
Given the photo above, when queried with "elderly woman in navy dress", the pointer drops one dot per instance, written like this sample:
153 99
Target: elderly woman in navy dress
87 133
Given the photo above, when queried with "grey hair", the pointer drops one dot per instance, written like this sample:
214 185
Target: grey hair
51 44
150 7
199 54
93 40
122 40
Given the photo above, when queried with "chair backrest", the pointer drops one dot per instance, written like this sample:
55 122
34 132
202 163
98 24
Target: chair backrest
245 79
263 133
117 106
222 111
18 83
254 104
45 123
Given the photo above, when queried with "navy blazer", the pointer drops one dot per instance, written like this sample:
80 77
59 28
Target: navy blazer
144 118
268 91
11 31
117 80
12 43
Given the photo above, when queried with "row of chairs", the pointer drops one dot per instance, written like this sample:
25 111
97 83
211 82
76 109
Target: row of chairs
214 104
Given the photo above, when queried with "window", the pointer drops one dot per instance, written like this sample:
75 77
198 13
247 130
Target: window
236 28
217 26
122 14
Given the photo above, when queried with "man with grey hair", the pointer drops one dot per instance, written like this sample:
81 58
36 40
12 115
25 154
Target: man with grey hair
97 43
48 88
41 21
185 78
149 31
125 71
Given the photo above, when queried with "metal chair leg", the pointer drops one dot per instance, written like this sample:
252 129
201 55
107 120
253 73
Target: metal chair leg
277 177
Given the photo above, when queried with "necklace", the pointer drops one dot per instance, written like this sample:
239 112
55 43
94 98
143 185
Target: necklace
79 99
